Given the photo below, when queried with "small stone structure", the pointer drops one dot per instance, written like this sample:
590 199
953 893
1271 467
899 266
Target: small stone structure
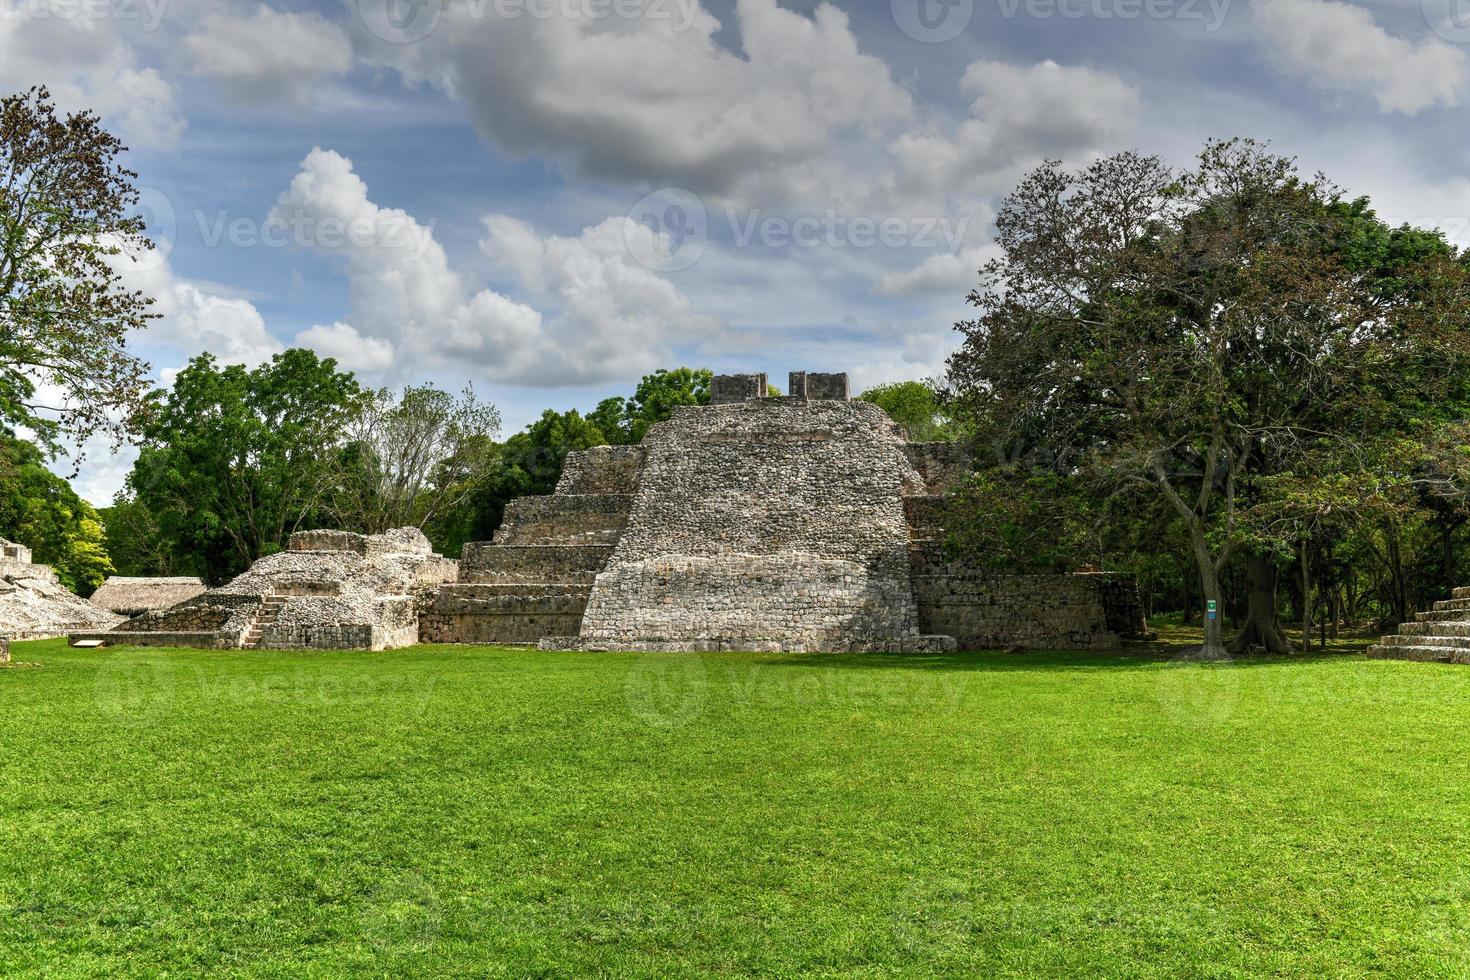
1441 635
34 605
802 522
134 596
330 590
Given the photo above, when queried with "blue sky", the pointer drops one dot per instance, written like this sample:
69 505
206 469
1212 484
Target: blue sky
548 198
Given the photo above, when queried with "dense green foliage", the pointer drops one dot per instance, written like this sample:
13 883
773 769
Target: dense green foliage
235 459
41 511
914 405
1232 341
625 421
483 812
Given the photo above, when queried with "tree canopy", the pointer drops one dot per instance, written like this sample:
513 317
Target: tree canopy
66 222
1195 332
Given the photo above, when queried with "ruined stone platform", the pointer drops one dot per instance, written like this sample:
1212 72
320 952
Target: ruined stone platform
798 523
1441 635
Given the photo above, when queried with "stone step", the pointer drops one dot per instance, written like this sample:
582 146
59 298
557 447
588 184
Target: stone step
1444 627
518 613
1399 640
527 564
1449 616
565 519
1426 654
1448 605
1463 592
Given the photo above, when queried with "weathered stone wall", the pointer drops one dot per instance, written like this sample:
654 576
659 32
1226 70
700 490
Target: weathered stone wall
729 389
767 523
516 614
487 562
565 519
942 465
983 609
330 590
601 470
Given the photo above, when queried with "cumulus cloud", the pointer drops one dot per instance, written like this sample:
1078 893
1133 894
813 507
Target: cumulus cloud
352 351
951 273
269 55
1019 116
652 99
612 318
194 320
88 63
1337 46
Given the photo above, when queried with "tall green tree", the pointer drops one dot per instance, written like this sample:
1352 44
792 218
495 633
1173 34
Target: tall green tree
414 458
65 222
914 405
625 421
1194 332
41 511
234 460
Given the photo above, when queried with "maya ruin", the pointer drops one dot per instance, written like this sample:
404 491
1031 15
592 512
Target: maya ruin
803 522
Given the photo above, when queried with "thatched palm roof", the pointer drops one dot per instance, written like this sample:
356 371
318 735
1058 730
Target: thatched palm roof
132 596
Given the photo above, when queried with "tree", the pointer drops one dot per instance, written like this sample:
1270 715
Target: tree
414 459
1196 332
625 421
64 312
914 405
234 460
135 539
41 511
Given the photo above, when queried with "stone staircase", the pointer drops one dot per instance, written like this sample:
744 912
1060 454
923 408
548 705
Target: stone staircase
533 578
270 611
1441 635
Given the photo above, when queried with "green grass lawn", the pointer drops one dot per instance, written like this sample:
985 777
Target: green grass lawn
492 812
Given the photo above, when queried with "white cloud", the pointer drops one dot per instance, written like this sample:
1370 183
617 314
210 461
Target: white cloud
87 64
950 273
269 55
352 350
613 318
1337 46
1019 116
641 99
193 319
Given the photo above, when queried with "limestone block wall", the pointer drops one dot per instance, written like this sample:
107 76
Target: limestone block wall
760 524
983 609
601 470
942 465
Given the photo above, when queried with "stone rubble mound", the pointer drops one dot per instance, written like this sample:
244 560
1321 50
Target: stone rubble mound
35 606
330 590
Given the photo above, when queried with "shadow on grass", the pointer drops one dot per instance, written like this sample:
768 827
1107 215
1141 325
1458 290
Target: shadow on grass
1173 646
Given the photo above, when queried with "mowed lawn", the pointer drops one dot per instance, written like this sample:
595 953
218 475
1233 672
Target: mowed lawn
492 812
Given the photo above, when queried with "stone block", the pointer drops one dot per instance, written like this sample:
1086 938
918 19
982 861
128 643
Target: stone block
827 387
728 389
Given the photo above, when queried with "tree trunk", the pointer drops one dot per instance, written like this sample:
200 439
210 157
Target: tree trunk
1306 597
1261 625
1214 645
